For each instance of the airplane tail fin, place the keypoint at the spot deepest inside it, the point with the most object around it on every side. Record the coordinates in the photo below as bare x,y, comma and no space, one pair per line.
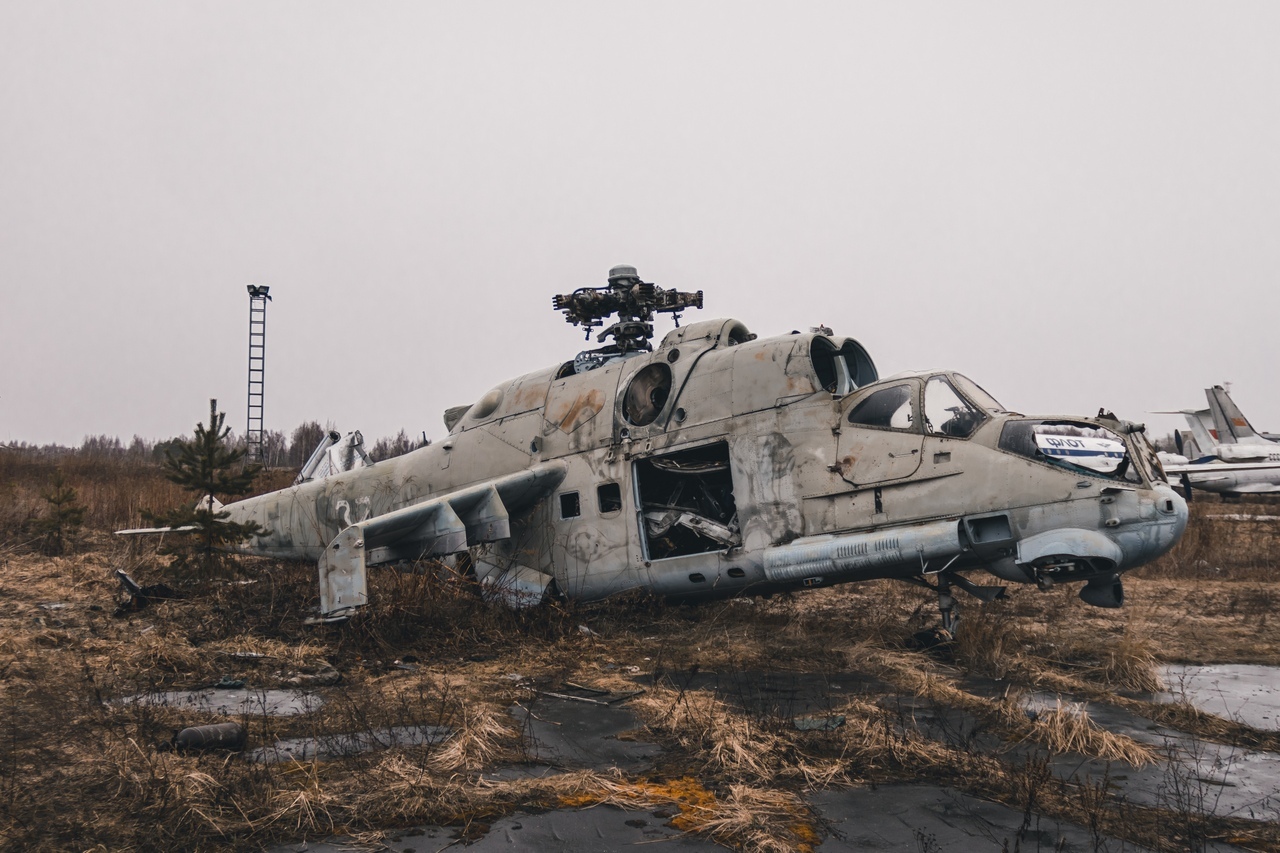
1229,419
1201,438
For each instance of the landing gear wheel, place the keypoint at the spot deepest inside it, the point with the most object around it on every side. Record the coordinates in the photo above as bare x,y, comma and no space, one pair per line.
932,638
947,605
944,635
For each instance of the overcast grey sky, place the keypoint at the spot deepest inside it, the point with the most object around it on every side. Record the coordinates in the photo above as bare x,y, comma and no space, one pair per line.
1077,204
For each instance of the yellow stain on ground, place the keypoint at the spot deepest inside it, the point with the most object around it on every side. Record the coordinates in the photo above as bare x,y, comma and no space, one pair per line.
699,808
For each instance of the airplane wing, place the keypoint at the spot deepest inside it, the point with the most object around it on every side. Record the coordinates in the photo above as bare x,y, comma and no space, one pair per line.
442,525
1219,467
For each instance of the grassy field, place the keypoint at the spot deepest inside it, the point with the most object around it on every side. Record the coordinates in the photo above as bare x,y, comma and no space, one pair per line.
81,769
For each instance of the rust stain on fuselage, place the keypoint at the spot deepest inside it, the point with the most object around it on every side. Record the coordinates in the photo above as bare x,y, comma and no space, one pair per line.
583,408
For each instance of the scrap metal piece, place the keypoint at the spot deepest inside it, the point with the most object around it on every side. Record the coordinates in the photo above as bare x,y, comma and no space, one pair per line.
660,523
517,587
818,724
229,736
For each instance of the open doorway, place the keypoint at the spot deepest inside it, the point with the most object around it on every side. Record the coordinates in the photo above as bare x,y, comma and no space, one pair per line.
686,502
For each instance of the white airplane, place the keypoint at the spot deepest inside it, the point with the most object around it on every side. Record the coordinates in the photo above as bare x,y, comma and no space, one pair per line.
1237,439
1232,459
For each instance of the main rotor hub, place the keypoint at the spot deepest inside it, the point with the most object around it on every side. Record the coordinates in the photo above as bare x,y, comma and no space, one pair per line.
633,300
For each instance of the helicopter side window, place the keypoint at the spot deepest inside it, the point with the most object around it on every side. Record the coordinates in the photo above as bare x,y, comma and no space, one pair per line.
888,408
946,412
570,505
609,497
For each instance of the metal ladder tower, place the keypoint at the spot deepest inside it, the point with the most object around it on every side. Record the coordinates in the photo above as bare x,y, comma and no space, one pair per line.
258,299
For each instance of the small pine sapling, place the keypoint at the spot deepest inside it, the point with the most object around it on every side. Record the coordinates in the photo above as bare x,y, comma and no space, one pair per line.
59,528
210,468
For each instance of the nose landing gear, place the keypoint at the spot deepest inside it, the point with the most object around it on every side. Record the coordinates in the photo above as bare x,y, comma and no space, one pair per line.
949,608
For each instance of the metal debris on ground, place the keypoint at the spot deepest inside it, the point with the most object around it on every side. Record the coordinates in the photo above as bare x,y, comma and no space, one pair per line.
330,746
591,695
141,596
818,724
229,736
324,676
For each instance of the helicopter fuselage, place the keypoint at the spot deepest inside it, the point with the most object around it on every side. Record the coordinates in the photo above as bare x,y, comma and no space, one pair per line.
719,465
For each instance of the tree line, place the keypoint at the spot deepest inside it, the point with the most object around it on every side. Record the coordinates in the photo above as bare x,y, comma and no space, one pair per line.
278,450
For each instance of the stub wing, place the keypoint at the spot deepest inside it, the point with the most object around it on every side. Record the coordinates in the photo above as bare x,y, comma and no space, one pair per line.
142,531
208,502
442,525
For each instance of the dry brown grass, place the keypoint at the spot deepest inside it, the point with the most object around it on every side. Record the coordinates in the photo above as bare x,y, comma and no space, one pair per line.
743,817
1061,730
482,738
1067,729
1216,545
754,819
74,763
114,491
732,743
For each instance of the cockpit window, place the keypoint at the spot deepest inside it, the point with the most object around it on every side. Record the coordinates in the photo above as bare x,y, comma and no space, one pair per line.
977,394
948,413
1085,448
888,408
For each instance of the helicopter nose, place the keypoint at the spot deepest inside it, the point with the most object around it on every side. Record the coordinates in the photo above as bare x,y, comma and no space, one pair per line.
1170,503
1162,528
1175,505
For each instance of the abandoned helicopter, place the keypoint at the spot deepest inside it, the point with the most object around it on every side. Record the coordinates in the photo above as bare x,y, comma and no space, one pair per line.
719,464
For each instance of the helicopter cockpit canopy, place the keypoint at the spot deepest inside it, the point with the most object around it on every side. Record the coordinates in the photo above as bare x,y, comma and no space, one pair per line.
952,405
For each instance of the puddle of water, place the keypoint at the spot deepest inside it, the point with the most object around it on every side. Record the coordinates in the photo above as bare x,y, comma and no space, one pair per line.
232,703
521,772
564,733
1244,693
1039,702
1190,774
603,828
342,745
931,817
784,695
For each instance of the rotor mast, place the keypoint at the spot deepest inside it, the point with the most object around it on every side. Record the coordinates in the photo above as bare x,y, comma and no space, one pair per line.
633,300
